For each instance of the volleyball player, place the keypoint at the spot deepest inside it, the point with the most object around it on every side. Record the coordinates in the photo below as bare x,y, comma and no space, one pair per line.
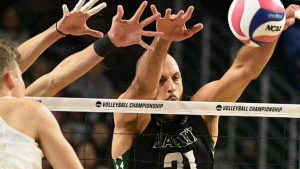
179,141
28,129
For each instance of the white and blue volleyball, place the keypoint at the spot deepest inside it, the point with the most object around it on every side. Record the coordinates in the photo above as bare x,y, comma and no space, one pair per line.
256,22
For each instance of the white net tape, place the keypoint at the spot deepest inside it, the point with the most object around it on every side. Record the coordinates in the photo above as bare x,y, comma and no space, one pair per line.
170,107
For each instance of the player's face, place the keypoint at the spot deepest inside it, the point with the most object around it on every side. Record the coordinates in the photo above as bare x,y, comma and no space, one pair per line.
170,84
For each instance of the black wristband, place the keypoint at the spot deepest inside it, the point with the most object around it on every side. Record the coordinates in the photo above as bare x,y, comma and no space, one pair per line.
59,30
104,46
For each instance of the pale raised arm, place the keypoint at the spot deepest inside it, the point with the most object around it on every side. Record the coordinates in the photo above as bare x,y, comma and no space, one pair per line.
65,73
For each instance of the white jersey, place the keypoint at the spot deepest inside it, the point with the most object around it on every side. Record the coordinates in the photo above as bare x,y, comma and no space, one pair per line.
17,150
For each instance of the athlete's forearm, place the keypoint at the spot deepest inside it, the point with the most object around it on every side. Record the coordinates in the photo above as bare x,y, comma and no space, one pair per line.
69,70
254,59
34,47
76,66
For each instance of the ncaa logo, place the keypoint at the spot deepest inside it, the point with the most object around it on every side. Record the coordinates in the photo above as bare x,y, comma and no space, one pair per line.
98,104
273,28
219,107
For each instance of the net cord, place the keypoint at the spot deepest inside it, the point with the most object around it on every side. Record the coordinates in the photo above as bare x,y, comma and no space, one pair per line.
170,107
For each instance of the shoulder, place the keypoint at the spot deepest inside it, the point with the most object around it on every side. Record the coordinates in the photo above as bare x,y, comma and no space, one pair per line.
38,114
26,106
26,116
20,103
29,104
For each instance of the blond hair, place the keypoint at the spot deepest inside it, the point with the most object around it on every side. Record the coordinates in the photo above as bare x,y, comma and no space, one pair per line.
9,57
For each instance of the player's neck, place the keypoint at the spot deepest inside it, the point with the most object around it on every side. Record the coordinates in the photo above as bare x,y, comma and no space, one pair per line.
5,93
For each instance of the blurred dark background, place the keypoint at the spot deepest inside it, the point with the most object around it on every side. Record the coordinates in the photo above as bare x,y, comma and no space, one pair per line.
243,142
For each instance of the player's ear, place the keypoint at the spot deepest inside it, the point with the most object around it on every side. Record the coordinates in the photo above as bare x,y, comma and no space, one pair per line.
9,80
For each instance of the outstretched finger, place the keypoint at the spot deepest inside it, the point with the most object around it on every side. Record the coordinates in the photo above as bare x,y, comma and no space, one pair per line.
120,13
196,28
152,33
179,15
140,11
188,13
78,5
94,33
88,5
146,46
96,9
153,9
149,20
168,14
65,10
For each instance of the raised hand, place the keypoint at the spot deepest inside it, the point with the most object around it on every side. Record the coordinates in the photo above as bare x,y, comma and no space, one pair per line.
128,32
173,26
291,12
74,22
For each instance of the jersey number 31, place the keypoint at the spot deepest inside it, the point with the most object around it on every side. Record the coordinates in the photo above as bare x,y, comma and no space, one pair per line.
178,157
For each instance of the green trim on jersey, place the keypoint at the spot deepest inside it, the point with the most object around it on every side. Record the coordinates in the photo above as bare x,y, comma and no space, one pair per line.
122,161
212,147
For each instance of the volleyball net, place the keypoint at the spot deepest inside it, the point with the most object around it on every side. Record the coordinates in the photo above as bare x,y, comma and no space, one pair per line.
251,135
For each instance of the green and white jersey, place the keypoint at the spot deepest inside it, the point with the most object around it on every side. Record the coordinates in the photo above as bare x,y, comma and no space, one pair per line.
183,143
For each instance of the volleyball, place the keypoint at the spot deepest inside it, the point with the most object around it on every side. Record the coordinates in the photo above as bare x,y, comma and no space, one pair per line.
256,22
